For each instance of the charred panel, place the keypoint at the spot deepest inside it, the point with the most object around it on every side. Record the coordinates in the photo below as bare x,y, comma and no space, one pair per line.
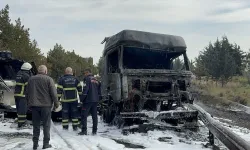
158,87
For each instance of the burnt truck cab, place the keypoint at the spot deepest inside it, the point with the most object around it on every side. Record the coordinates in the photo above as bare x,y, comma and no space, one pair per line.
139,77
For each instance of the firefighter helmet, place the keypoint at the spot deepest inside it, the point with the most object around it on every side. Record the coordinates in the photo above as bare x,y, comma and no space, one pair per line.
26,66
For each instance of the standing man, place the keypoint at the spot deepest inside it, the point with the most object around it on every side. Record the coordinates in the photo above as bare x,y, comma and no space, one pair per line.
68,86
22,78
90,100
41,95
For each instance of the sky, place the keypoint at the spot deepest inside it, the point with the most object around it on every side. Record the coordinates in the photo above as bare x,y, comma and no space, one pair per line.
83,24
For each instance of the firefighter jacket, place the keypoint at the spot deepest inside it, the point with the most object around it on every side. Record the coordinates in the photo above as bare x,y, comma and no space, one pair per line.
22,78
67,87
92,91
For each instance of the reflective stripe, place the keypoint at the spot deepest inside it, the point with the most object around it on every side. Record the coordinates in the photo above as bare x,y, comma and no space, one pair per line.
59,95
68,89
75,123
65,121
79,84
59,86
20,95
21,121
69,100
80,93
75,120
21,116
18,83
65,124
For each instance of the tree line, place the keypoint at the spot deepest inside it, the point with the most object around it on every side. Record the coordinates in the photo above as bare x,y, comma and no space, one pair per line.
16,38
221,61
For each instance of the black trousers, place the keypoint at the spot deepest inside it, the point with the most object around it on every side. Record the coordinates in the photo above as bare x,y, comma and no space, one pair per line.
21,106
69,110
41,114
92,109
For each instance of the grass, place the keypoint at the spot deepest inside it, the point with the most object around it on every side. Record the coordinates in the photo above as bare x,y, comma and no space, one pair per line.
237,90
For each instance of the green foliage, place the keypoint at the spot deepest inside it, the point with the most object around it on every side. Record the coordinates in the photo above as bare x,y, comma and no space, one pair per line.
15,37
178,64
236,90
59,59
220,60
100,66
199,69
191,65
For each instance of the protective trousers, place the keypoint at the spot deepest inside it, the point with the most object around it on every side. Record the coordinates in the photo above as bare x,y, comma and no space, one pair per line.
21,106
92,109
69,110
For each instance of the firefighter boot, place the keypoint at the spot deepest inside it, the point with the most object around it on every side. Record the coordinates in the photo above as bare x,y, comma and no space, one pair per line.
93,132
75,128
35,145
65,127
82,133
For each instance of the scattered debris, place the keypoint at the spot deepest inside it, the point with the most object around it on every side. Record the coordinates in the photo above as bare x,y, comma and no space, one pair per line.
166,139
129,145
10,135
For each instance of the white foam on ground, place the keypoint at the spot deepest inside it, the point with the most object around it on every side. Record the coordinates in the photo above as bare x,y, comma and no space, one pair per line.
242,132
103,140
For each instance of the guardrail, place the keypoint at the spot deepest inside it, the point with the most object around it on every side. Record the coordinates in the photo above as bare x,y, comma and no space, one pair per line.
231,140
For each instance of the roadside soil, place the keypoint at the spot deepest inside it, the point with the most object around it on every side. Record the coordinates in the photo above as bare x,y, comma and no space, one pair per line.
221,109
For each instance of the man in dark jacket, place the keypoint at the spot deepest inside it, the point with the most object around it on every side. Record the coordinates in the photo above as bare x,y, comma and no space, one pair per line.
41,95
90,98
22,78
67,88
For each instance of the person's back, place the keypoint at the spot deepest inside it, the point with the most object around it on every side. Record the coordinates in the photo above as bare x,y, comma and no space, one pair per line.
90,98
93,89
67,88
41,91
22,78
41,94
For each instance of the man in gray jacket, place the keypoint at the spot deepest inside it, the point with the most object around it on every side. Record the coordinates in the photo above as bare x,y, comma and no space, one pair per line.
41,95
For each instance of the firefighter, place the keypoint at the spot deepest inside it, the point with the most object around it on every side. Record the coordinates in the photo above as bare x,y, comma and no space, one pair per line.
90,98
22,78
67,88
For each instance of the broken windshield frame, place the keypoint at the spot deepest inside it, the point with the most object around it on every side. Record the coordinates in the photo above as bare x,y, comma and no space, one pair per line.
141,58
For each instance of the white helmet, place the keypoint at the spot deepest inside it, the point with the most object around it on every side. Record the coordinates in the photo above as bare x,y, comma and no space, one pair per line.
26,66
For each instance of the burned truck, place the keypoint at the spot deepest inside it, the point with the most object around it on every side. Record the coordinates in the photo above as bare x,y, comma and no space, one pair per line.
140,83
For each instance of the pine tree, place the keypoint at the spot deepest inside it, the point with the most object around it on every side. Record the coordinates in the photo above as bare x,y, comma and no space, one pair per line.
220,60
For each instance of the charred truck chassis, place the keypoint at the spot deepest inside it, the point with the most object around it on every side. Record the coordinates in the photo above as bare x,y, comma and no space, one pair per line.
138,92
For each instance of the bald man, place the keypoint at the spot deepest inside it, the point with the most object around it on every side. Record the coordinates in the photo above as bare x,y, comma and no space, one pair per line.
67,89
41,96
